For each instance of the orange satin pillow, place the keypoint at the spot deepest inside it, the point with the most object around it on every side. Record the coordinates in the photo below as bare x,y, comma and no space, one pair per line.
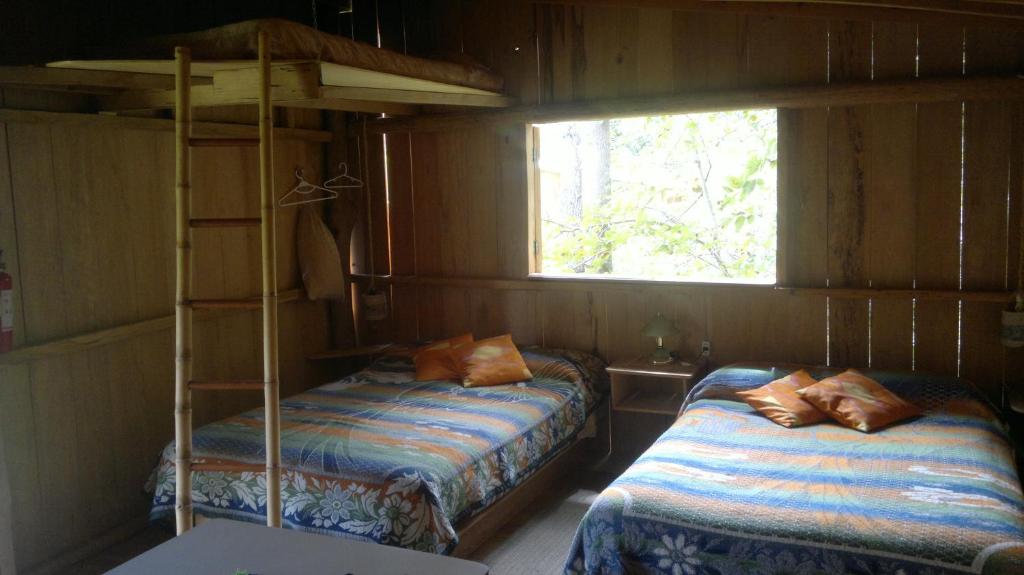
434,361
779,402
857,401
492,361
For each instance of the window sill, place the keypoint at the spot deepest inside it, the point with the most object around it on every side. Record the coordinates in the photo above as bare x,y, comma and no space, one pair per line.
640,282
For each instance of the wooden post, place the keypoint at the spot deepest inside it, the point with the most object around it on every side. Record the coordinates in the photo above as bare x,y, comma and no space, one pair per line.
268,242
183,291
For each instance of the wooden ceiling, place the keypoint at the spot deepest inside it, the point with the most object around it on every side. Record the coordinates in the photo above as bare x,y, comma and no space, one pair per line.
999,12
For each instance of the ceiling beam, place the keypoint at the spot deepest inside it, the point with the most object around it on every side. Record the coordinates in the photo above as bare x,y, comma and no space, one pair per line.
951,89
417,97
85,81
200,128
349,105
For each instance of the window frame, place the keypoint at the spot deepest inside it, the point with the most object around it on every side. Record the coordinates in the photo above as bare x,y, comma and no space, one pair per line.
535,235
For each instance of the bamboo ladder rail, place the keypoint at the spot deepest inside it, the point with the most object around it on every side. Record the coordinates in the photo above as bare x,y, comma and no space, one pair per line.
185,304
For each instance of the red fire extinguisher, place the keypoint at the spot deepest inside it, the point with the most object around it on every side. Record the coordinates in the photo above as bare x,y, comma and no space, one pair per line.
6,307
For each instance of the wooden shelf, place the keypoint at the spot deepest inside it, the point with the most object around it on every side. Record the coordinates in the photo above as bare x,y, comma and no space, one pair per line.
366,350
657,402
639,386
675,369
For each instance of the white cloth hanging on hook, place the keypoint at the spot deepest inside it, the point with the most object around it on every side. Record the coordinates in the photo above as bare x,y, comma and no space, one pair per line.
319,258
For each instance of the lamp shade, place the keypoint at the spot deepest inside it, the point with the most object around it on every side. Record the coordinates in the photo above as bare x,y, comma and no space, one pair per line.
660,326
1013,328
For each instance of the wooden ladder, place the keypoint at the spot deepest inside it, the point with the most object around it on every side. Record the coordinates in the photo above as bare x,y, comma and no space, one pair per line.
185,303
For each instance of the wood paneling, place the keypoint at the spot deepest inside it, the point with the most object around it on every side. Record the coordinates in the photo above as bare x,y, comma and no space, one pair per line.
401,209
378,256
708,50
988,134
8,236
427,202
511,213
803,181
6,528
850,59
869,195
86,222
937,250
890,182
999,14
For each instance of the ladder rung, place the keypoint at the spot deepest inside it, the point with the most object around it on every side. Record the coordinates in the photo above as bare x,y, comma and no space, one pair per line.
223,142
229,467
224,222
227,384
247,303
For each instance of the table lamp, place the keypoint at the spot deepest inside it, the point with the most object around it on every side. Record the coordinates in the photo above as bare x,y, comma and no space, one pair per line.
1013,323
660,327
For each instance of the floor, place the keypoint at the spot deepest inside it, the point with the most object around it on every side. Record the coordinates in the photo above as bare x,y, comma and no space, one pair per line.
535,542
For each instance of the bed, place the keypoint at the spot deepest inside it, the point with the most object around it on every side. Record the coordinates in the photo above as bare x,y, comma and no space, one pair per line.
310,69
380,457
295,41
727,491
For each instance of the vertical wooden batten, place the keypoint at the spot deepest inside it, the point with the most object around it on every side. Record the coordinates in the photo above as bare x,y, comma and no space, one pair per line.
988,133
6,527
890,185
848,320
937,212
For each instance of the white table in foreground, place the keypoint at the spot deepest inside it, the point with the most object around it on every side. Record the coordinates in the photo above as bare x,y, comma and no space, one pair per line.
222,547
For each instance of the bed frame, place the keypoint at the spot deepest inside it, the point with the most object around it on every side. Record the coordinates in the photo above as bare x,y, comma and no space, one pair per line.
476,530
295,84
136,85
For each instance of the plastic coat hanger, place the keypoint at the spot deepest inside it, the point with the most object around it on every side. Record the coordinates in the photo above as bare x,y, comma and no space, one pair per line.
343,180
302,192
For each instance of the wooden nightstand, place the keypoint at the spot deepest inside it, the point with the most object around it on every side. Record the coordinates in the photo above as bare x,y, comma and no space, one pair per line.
642,387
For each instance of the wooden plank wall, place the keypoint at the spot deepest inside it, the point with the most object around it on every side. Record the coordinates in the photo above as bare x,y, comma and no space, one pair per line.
87,228
870,195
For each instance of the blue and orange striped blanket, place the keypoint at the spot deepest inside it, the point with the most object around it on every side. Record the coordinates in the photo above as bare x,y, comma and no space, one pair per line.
380,457
726,491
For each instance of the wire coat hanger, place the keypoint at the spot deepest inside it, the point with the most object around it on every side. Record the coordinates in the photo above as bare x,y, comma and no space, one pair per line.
303,190
343,180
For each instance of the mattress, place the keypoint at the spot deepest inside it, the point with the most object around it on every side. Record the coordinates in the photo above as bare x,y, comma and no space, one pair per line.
725,491
294,41
380,457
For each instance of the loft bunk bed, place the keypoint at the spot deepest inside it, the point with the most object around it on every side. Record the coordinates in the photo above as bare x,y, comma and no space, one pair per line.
275,63
310,69
268,63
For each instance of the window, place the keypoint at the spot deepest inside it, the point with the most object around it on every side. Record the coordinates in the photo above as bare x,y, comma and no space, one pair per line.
685,197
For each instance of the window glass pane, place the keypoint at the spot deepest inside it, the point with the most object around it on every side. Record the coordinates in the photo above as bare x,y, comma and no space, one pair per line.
685,197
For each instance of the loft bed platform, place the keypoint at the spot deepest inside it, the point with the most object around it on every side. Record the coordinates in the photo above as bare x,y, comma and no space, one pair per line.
297,84
311,69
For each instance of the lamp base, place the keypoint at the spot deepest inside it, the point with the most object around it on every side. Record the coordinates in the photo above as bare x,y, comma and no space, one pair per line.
661,356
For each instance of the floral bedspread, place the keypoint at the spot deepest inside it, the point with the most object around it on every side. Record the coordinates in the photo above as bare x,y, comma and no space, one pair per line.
380,457
726,491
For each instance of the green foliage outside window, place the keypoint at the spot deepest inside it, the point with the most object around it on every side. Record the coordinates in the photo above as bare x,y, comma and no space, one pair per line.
684,197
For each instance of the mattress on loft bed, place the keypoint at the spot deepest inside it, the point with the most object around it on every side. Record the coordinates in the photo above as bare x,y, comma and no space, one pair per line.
294,41
380,457
726,491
